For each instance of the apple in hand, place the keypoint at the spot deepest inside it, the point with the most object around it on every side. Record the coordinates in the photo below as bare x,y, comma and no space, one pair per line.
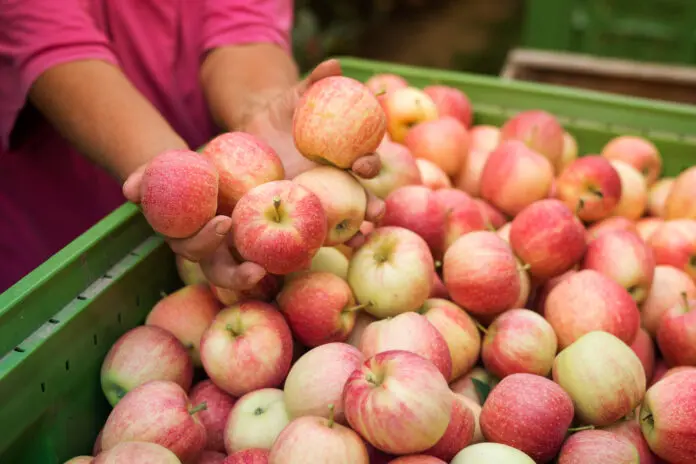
214,417
431,175
451,102
640,153
634,192
528,412
469,177
610,224
669,285
657,196
459,433
674,244
602,375
248,456
462,215
256,420
398,169
265,289
143,354
644,348
598,447
487,453
679,203
405,108
444,141
132,452
248,346
399,402
676,335
539,130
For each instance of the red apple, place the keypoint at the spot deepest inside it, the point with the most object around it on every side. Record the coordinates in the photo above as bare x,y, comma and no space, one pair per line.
459,433
157,412
431,175
644,348
515,177
384,83
243,162
392,272
674,244
587,301
630,428
657,196
610,224
362,320
570,152
591,187
189,272
398,169
679,203
212,457
219,404
409,332
143,354
451,102
544,289
337,121
439,290
256,420
443,141
186,314
484,137
634,192
661,369
465,385
248,346
476,410
668,286
494,219
265,289
469,177
405,108
132,452
399,402
676,335
598,447
417,459
462,215
548,237
647,226
640,153
248,456
539,130
504,232
317,379
528,412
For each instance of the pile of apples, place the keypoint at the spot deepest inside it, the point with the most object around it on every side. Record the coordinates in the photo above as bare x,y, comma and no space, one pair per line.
515,304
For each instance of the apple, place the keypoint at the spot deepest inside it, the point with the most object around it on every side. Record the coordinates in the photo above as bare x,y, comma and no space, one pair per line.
384,83
337,121
679,203
504,232
484,137
645,227
157,412
179,193
674,244
186,314
668,417
214,417
494,219
465,385
675,370
444,141
542,292
409,332
213,457
459,433
539,130
625,258
265,289
519,341
640,153
248,346
405,108
317,379
588,301
591,187
669,284
392,272
398,169
89,459
548,237
476,410
417,459
634,192
676,334
362,320
630,428
256,420
514,177
528,412
431,175
657,196
439,290
330,259
462,215
469,177
487,453
482,274
602,375
189,272
248,456
415,207
459,332
598,447
451,102
611,224
143,354
570,151
279,225
318,439
661,369
243,162
644,348
132,452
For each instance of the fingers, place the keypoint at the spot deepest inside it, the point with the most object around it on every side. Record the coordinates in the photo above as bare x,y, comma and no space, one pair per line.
375,208
222,270
368,166
205,242
131,187
356,241
324,69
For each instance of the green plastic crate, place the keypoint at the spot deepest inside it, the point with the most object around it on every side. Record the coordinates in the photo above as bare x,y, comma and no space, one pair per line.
57,324
661,31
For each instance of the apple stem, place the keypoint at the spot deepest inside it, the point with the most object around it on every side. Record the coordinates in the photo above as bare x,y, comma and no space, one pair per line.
685,299
381,92
331,415
201,407
481,327
276,205
525,267
581,205
580,429
489,226
596,192
356,308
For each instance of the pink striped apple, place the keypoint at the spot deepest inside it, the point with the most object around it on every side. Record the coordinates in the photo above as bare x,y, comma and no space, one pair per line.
598,447
638,152
591,187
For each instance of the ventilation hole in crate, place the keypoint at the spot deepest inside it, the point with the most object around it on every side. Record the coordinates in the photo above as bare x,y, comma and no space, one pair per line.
19,350
67,365
81,298
53,321
43,387
94,339
133,254
108,276
118,318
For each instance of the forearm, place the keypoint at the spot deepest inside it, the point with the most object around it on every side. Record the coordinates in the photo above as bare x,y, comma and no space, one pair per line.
94,106
239,79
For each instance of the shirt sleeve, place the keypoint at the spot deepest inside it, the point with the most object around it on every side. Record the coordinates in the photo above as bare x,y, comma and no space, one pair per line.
36,35
236,22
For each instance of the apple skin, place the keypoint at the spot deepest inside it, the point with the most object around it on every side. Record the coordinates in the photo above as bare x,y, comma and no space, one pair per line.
640,153
539,130
405,108
625,258
431,175
156,412
338,120
674,244
465,386
515,177
469,177
189,272
494,219
661,369
439,290
519,341
676,335
602,375
645,227
143,354
634,192
657,196
459,433
570,152
451,102
444,141
530,413
362,320
598,447
462,215
410,332
317,380
186,314
679,203
248,456
248,346
487,453
484,137
132,452
392,272
256,420
212,457
459,332
417,459
89,459
318,439
542,292
668,417
587,301
401,389
591,187
548,237
398,169
630,428
610,224
668,285
214,417
482,274
319,308
384,83
281,239
644,348
242,162
265,289
476,410
330,259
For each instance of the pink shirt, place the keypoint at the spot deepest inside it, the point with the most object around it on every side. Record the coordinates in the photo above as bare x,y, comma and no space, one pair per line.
49,194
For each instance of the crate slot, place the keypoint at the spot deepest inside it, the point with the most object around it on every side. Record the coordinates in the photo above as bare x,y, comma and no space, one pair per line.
95,340
67,365
19,350
81,297
108,276
43,387
54,321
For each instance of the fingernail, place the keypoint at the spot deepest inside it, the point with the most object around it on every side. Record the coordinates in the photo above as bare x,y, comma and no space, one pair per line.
223,226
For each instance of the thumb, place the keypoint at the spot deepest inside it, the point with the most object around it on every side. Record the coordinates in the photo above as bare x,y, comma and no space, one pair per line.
131,187
323,70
